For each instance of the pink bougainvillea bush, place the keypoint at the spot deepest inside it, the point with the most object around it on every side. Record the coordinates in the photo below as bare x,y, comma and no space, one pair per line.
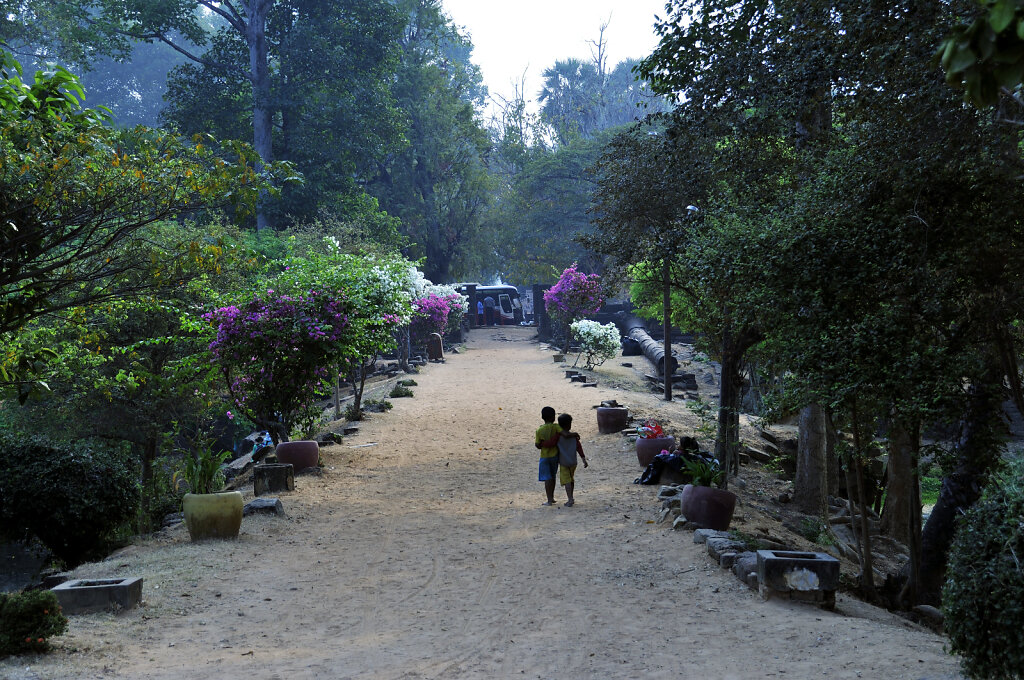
275,352
574,296
435,313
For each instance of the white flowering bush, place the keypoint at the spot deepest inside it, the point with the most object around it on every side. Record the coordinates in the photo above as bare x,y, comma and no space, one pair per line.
598,342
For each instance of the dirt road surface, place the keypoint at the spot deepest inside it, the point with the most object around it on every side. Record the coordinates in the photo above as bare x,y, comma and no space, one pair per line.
424,552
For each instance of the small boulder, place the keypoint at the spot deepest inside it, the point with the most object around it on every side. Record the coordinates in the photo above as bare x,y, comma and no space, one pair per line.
266,506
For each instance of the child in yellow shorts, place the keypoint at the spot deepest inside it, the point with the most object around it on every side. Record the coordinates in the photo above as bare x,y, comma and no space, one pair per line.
569,447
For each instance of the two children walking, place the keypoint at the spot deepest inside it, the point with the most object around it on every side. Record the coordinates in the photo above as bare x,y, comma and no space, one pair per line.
559,449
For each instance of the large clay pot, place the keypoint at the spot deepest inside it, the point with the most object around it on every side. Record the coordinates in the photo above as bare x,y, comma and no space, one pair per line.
213,515
612,419
647,449
707,507
301,454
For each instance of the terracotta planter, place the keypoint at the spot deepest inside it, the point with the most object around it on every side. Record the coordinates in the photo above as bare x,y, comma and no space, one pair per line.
213,515
647,449
708,507
612,419
300,454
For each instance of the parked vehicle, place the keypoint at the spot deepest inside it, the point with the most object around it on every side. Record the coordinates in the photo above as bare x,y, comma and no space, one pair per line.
508,307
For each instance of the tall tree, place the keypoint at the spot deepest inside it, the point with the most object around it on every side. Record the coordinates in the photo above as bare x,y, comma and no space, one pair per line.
327,98
438,185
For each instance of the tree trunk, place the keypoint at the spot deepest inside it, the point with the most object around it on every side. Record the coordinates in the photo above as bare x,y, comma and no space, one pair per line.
259,72
975,453
867,570
733,349
149,450
810,489
835,466
337,392
899,498
666,283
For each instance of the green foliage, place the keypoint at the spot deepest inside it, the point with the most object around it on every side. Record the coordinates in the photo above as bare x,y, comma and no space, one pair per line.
400,391
986,56
202,466
983,598
80,196
328,93
816,530
28,621
73,497
931,484
704,474
438,185
705,411
379,405
409,382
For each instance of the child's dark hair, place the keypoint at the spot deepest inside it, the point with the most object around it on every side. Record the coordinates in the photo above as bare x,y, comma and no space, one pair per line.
565,421
547,414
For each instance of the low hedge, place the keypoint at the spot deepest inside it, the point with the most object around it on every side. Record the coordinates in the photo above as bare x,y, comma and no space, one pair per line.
28,621
73,496
983,597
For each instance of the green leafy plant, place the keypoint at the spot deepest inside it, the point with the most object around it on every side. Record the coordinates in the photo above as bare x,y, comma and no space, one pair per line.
72,496
408,383
704,474
201,466
984,590
28,621
400,391
379,405
705,411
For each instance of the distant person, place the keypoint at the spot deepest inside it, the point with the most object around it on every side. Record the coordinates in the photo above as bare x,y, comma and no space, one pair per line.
480,312
569,447
546,440
489,310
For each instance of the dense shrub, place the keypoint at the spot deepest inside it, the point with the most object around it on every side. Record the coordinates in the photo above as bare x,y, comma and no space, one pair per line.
71,496
28,621
983,598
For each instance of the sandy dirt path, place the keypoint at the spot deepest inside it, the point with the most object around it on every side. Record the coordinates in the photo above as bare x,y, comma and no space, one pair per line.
428,555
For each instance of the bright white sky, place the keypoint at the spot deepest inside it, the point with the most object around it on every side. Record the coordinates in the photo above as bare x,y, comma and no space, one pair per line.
510,38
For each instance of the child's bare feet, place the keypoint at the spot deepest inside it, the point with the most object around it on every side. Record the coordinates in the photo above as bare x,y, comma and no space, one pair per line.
548,503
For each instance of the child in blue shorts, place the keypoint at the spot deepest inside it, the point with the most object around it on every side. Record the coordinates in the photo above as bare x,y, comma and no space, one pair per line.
546,440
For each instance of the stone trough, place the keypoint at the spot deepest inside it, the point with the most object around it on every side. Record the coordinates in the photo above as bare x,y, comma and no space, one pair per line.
86,596
807,576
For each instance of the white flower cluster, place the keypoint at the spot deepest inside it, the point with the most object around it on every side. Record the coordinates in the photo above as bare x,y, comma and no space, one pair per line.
599,342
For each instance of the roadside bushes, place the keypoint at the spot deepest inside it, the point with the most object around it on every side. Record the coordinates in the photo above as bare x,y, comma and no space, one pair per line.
983,598
73,497
28,621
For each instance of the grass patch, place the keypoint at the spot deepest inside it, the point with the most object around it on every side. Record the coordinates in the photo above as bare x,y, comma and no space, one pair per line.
400,391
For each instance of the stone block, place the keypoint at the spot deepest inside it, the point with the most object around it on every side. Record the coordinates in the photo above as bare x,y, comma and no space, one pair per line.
273,477
702,535
578,378
86,596
718,546
668,492
745,563
727,559
786,571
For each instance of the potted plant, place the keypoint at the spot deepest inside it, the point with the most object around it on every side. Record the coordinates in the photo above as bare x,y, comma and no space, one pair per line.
651,440
209,511
701,502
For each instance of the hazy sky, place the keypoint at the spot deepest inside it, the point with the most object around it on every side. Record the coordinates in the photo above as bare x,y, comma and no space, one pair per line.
510,38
